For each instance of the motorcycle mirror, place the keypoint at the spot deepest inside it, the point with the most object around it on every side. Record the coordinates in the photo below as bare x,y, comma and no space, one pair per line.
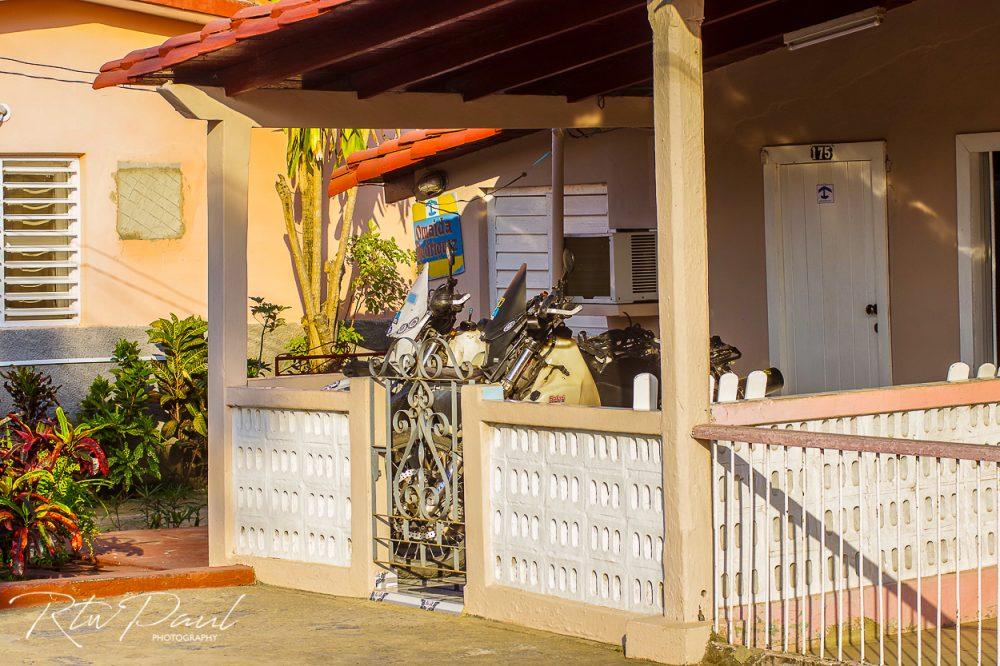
450,253
568,262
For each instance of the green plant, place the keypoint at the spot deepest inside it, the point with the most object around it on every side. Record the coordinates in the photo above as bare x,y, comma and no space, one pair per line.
318,275
31,392
182,387
121,415
47,477
165,506
377,285
268,315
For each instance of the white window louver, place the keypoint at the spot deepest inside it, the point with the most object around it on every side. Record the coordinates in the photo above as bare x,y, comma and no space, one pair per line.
40,234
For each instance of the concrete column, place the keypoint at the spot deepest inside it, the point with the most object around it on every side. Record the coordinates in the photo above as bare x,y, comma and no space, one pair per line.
228,173
557,232
678,107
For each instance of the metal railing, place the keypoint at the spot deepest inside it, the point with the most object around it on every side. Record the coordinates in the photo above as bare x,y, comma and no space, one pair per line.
854,548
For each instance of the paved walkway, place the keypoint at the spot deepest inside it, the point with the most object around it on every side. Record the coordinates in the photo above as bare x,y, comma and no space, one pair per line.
272,626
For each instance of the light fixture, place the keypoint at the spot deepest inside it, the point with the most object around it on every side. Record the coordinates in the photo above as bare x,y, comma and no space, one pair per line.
4,113
431,184
838,27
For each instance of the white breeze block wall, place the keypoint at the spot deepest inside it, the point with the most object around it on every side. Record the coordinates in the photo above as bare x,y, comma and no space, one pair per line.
292,485
872,510
578,515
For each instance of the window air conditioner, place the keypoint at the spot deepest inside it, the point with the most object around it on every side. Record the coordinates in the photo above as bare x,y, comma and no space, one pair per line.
617,267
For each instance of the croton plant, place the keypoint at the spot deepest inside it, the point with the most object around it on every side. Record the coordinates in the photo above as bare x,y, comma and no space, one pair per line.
46,470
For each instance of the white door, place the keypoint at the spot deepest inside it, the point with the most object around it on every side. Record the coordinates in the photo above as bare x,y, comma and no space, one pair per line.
520,218
827,265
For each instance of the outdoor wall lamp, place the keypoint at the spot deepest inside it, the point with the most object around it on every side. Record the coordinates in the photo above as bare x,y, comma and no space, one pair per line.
838,27
431,184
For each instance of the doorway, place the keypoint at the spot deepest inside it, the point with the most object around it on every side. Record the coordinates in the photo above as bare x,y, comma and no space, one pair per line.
827,265
978,169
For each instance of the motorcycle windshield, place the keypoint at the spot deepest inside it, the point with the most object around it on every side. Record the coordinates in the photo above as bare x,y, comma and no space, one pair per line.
509,311
407,320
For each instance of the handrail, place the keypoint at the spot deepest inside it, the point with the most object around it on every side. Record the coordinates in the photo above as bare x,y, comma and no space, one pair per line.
836,442
860,402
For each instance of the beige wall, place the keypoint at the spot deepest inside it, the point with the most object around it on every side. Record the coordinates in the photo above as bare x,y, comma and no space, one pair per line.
927,74
133,282
122,282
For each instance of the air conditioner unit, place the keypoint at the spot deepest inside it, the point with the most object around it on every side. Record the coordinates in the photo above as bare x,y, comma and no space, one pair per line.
617,267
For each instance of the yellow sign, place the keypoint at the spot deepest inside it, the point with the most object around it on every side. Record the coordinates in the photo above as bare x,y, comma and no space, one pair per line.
436,225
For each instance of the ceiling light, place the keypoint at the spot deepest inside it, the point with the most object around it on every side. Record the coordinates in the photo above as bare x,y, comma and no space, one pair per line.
431,184
838,27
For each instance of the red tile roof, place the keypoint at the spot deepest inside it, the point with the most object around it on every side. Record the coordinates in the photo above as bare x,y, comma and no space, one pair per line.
405,154
247,22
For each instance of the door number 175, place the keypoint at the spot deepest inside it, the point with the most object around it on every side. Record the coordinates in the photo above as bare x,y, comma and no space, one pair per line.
821,153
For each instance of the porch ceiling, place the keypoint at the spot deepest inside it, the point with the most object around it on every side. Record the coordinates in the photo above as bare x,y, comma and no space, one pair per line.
571,48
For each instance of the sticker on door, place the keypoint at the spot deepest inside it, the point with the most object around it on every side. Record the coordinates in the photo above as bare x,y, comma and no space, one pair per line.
825,193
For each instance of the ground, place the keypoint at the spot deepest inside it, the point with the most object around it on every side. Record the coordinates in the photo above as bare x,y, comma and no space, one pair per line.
273,626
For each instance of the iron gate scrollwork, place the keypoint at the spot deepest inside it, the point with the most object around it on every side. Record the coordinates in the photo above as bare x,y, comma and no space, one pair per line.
423,528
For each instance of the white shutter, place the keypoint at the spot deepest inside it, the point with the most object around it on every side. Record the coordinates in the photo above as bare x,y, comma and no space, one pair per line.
520,218
40,234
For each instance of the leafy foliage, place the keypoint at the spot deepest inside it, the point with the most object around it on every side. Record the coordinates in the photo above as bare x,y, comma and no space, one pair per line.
170,506
268,315
47,475
121,415
377,284
31,392
182,388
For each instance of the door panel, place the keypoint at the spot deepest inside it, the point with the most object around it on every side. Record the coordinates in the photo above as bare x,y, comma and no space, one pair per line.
831,266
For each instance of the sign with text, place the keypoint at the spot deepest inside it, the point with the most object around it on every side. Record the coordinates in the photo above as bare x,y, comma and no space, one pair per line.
436,225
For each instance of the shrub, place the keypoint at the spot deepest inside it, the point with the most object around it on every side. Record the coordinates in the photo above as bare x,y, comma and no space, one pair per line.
268,315
47,477
182,389
121,415
31,392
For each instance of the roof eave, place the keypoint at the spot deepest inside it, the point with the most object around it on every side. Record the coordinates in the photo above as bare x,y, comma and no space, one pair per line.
199,12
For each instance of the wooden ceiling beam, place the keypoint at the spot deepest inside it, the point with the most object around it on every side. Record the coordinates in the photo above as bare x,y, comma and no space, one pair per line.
629,32
324,48
468,50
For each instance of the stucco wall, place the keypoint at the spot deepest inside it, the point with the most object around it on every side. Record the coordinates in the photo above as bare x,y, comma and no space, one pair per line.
122,282
128,283
623,159
927,74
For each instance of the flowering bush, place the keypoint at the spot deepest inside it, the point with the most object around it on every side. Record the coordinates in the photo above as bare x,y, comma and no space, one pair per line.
47,476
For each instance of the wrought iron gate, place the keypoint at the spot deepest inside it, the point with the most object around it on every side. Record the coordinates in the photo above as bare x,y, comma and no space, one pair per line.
422,530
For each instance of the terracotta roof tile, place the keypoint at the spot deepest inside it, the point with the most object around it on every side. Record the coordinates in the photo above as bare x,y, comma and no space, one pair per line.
405,152
245,23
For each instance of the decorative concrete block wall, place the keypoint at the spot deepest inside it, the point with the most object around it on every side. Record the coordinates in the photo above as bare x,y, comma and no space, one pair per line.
874,509
578,515
292,485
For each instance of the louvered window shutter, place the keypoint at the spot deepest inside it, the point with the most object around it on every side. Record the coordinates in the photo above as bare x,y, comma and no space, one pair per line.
41,240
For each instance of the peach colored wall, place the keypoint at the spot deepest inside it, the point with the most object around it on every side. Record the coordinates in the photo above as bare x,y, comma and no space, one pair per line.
122,282
927,74
270,272
134,282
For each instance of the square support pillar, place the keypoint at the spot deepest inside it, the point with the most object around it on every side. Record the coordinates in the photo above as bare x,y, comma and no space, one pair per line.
228,175
681,635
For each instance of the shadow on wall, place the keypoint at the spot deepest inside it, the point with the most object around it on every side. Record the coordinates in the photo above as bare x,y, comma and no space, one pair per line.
128,277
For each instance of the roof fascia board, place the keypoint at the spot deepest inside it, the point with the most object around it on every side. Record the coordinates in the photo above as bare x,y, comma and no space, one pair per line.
158,10
279,108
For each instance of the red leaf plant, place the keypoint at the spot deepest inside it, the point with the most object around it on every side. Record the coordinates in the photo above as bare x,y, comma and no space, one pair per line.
35,463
